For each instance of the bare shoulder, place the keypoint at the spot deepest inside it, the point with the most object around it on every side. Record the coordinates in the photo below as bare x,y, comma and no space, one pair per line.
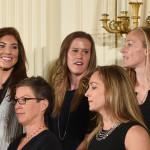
137,138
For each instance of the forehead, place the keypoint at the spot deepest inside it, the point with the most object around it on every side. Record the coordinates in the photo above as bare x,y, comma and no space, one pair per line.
8,37
24,90
95,78
135,35
79,41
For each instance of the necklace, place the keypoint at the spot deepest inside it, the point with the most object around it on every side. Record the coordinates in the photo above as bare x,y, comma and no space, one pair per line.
144,98
32,135
101,135
62,138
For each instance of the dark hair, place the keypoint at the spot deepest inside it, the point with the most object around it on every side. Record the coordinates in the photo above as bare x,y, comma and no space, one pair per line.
40,87
19,70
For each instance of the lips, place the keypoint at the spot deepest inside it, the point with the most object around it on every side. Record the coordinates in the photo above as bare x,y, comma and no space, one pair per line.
19,113
78,63
6,58
125,57
89,101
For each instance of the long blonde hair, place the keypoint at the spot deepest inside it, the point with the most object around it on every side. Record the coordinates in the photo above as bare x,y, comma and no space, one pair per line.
121,102
61,76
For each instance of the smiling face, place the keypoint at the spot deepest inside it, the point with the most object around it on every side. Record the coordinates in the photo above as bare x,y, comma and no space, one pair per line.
8,52
32,111
134,53
96,93
78,56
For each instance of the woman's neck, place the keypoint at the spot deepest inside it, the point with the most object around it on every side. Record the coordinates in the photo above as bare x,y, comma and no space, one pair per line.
108,121
141,77
33,130
74,82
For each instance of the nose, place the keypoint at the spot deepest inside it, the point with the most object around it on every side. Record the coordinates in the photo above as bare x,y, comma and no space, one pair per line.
87,93
17,105
79,55
123,50
7,50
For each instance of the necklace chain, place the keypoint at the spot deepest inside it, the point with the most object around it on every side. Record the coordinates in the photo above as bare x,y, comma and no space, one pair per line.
101,135
145,95
32,135
62,138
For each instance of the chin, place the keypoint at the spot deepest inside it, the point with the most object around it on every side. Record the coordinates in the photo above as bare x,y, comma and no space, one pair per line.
91,109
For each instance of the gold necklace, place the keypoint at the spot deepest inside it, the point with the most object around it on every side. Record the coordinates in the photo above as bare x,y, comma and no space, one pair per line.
62,138
101,135
32,135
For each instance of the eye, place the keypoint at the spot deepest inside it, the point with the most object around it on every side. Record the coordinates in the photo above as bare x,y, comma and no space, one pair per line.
14,47
93,88
2,46
75,50
85,51
15,100
129,45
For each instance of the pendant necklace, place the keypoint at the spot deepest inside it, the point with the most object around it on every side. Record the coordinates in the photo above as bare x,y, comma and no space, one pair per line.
63,137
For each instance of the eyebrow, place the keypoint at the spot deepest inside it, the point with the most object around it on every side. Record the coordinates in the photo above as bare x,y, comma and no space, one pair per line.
79,48
93,82
11,44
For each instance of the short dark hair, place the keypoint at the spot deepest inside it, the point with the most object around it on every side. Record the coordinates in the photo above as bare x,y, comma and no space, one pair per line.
40,87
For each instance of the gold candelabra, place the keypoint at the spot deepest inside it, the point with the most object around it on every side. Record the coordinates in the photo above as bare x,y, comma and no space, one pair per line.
121,23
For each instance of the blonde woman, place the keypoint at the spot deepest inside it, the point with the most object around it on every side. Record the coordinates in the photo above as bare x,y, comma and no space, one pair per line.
136,58
120,125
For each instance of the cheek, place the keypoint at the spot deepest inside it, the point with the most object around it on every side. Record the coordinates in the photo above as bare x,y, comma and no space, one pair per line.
87,59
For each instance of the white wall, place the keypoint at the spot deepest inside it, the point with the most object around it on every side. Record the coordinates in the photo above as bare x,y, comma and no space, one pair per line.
43,24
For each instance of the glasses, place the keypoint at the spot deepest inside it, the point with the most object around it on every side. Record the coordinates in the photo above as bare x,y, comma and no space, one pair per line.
22,100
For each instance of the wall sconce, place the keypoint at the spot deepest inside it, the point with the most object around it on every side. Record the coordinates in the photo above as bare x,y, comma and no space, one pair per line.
121,23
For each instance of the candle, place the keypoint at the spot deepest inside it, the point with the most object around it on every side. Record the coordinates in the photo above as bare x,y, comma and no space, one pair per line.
123,5
105,6
118,8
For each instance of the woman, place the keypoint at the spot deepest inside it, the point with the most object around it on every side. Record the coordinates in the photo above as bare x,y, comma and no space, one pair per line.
33,97
12,70
120,125
70,112
136,57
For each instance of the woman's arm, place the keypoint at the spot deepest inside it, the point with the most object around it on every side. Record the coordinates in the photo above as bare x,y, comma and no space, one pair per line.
137,138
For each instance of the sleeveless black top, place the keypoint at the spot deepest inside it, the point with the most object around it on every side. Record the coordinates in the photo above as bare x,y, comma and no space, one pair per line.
78,122
115,141
145,109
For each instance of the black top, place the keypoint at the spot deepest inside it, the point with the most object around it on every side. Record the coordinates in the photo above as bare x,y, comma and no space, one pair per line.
145,109
45,140
3,89
77,123
115,141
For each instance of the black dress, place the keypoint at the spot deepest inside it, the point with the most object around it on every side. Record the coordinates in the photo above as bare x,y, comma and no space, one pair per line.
115,141
45,140
145,109
77,121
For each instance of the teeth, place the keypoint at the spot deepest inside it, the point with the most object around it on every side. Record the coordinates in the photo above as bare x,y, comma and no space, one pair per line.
78,63
6,58
125,57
